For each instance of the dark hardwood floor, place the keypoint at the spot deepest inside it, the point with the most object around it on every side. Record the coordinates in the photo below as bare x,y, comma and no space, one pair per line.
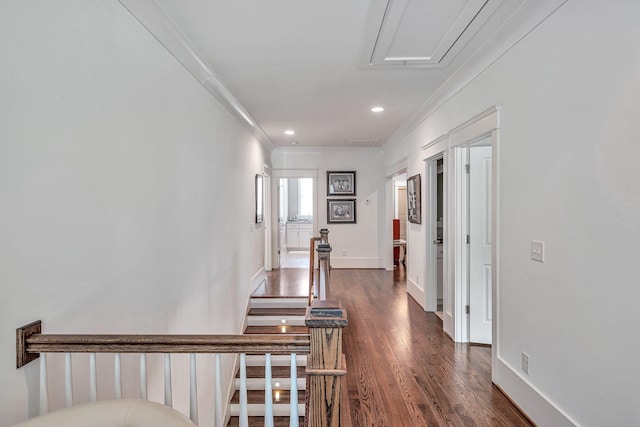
402,369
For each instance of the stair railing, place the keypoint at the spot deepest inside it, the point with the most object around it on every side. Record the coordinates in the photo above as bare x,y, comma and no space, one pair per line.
316,282
325,364
32,344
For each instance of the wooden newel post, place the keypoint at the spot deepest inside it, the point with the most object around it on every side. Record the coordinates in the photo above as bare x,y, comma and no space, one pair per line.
326,365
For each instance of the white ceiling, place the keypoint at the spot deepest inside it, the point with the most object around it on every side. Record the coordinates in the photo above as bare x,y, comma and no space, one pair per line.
319,66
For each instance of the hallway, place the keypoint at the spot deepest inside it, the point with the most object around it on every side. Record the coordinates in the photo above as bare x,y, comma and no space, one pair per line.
402,369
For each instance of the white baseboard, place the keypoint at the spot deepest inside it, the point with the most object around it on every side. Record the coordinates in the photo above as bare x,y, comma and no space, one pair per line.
530,400
257,280
356,262
417,293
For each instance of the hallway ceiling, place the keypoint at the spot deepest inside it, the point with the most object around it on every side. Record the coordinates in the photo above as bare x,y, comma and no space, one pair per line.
318,67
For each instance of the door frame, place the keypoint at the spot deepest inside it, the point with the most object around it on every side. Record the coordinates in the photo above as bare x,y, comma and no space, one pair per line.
431,252
482,126
268,247
397,168
276,174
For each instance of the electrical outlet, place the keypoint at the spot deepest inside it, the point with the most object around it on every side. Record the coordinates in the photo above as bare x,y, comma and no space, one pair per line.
537,250
344,252
525,363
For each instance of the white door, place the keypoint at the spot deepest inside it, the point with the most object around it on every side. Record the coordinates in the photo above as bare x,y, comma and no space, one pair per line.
480,245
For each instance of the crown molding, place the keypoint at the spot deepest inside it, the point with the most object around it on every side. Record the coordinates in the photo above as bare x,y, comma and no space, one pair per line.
160,25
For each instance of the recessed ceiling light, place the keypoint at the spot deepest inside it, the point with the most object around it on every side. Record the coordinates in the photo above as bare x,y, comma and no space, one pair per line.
289,132
377,109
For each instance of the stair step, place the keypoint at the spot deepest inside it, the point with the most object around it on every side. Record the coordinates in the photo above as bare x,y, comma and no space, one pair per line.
277,330
257,396
276,383
279,302
276,360
257,409
259,421
275,320
275,311
276,372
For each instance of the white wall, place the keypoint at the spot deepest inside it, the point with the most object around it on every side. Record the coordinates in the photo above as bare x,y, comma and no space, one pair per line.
357,245
568,175
126,190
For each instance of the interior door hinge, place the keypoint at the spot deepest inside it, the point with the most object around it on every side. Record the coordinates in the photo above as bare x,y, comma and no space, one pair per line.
467,309
467,168
467,239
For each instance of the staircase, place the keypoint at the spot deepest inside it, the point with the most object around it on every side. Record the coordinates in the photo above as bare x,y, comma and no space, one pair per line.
272,315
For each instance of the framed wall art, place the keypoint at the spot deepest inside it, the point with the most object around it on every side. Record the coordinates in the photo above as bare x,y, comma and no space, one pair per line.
259,199
341,211
341,183
414,208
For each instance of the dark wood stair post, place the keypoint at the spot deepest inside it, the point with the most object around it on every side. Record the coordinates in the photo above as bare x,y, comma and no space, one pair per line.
326,364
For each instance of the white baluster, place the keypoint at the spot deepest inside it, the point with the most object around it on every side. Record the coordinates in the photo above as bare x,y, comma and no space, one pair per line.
218,401
293,412
244,415
93,378
193,391
68,382
117,372
168,401
268,392
143,376
44,385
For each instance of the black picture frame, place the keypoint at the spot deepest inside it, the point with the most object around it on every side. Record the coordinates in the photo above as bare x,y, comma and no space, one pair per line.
341,183
259,199
414,202
341,211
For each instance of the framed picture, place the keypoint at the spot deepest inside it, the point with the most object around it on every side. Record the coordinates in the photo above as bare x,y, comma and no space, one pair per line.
341,211
341,183
259,199
414,208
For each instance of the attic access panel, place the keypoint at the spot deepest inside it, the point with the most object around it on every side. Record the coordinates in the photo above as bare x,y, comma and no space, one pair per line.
423,33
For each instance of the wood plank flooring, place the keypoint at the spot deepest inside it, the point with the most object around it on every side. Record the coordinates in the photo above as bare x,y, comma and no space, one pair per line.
402,369
285,282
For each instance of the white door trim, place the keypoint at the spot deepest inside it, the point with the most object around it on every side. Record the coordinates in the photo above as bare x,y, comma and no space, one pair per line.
480,126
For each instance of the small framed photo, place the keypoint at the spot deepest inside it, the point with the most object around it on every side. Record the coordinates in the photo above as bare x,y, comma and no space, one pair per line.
414,209
341,183
259,199
341,211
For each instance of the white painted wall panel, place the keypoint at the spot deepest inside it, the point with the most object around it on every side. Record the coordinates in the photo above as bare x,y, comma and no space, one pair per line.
126,193
568,176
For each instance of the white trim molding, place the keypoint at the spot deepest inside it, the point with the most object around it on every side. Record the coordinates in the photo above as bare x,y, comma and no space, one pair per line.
438,140
396,168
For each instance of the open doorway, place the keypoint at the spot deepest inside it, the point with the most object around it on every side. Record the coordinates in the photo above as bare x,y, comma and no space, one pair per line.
436,228
400,220
296,219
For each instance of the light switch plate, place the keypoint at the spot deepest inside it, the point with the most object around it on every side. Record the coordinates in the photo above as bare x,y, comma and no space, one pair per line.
537,250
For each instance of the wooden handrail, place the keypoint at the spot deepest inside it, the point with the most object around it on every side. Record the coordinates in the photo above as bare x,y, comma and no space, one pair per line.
249,344
36,343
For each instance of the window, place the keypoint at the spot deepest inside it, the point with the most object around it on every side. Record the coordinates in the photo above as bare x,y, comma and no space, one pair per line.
305,198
